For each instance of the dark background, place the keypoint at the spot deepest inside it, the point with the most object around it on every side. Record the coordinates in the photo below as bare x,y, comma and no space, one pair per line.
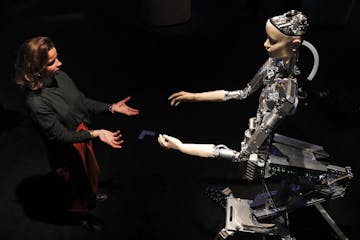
115,49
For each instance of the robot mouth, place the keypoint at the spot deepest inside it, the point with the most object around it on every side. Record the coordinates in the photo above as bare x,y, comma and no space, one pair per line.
269,52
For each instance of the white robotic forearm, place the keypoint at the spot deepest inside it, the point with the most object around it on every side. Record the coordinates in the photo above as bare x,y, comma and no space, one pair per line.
200,150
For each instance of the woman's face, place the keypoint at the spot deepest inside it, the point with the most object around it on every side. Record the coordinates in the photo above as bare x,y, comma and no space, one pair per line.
277,44
53,64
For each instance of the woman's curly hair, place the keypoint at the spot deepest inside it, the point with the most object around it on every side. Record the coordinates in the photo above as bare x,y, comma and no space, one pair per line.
31,62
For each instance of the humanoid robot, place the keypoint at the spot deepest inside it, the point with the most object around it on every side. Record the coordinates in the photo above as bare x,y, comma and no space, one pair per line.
264,153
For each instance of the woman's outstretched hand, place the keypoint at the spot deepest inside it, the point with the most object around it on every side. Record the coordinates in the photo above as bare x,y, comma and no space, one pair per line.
121,107
169,142
111,138
179,97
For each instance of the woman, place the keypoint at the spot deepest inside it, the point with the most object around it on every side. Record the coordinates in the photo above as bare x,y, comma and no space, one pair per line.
61,113
278,98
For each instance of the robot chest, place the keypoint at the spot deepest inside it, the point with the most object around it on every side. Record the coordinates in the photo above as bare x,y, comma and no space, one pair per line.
271,95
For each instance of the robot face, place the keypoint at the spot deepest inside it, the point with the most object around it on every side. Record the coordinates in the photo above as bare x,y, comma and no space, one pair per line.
279,45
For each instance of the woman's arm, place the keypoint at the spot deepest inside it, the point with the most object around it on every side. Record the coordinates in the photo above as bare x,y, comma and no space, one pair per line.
52,129
122,107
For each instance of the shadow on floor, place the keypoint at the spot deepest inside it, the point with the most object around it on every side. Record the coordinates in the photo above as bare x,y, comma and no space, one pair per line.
44,197
10,119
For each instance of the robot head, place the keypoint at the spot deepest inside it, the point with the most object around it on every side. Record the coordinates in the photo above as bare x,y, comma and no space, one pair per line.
291,23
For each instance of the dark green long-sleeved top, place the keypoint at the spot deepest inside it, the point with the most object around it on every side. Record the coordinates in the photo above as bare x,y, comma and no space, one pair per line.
59,107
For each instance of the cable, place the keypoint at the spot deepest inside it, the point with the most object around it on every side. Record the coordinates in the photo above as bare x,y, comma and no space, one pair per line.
316,59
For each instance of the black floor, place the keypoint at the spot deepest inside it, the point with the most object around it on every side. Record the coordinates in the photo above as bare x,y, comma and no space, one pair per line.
112,53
